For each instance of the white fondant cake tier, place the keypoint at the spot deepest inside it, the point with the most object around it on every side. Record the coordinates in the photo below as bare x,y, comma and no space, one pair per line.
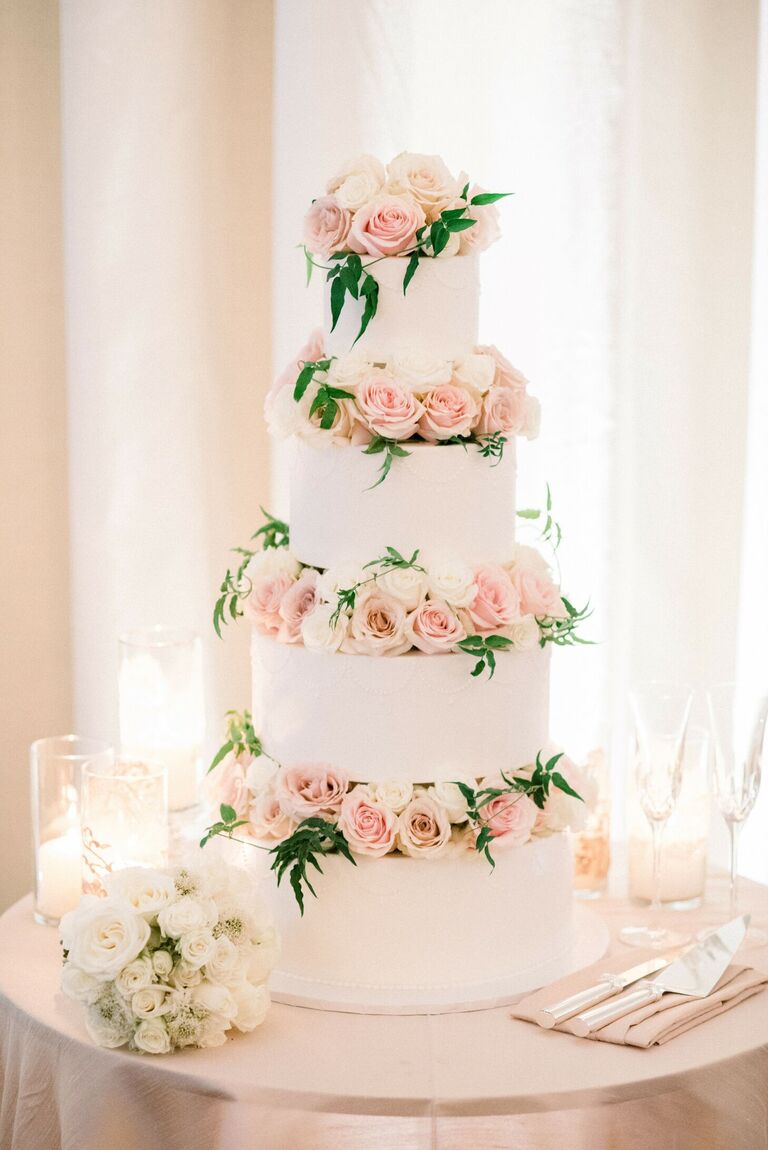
437,317
445,501
408,923
417,717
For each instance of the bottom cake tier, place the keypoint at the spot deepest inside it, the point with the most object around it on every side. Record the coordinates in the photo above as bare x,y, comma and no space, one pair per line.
403,923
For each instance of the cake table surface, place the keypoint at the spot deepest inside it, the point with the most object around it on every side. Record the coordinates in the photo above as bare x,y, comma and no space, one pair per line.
313,1079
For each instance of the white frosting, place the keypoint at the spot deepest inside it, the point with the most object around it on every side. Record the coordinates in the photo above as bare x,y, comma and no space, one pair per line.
405,922
445,501
438,316
416,717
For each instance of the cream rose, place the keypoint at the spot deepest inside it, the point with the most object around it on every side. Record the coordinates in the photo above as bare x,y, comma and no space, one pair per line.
183,976
187,914
326,226
426,179
298,602
449,410
135,976
386,226
434,628
357,182
420,371
503,410
273,561
450,798
320,631
79,986
261,774
405,584
496,603
251,1005
476,371
424,829
216,999
525,558
149,1002
525,634
306,789
348,371
225,962
103,936
147,890
451,580
393,793
162,963
562,811
505,374
369,829
197,947
151,1036
377,625
263,955
334,579
268,821
485,230
387,407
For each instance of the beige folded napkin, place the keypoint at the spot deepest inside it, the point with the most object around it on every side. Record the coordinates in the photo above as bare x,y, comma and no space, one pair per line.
657,1022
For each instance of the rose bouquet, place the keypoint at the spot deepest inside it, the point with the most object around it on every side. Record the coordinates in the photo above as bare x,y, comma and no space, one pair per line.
170,958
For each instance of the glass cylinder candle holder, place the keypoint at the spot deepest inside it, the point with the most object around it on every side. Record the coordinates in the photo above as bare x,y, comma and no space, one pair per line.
57,766
592,845
162,706
686,839
124,818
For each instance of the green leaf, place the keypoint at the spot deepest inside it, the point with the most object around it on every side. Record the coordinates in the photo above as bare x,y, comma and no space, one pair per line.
303,380
370,290
377,445
460,225
413,263
528,513
465,190
483,198
228,814
309,264
563,785
497,642
222,753
478,668
338,291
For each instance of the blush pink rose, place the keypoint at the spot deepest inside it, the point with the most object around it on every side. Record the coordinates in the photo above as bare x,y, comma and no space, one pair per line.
268,821
378,626
227,784
424,829
506,375
263,604
312,350
434,628
369,828
326,226
448,410
538,595
387,407
307,789
511,818
297,602
386,226
503,410
496,603
485,231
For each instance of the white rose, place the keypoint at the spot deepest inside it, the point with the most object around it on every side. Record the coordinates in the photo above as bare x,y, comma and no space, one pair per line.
526,558
108,1021
196,947
283,414
252,1004
187,914
273,561
263,955
420,371
395,794
103,936
450,798
425,178
524,633
225,962
152,1037
338,578
79,986
310,428
357,182
347,371
260,774
162,963
477,371
183,976
406,585
147,890
135,976
150,1002
216,999
531,417
451,580
562,811
316,631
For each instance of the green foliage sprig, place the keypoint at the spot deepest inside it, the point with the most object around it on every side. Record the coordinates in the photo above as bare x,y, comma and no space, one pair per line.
309,369
391,449
392,560
537,788
492,447
484,648
312,837
241,738
227,825
562,632
347,276
235,586
550,529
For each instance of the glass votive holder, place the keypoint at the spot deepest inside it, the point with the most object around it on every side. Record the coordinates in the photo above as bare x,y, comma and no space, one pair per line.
685,841
123,818
162,706
592,844
56,768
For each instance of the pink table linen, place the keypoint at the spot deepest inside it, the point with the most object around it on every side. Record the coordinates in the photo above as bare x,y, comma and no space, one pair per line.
307,1079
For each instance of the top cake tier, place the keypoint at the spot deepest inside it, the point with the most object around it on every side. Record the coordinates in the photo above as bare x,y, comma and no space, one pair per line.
437,316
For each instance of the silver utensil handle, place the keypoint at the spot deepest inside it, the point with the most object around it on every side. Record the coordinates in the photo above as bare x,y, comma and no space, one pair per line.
640,995
550,1016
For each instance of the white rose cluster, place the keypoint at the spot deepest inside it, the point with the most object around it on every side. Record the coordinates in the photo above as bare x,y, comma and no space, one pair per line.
170,958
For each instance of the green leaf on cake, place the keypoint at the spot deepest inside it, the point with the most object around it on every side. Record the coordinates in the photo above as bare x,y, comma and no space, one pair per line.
410,271
370,293
484,648
312,838
391,449
483,198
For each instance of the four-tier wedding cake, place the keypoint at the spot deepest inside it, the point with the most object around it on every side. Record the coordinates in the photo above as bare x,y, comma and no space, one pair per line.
397,759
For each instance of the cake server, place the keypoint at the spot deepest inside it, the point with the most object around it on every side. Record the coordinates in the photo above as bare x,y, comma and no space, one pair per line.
695,973
606,986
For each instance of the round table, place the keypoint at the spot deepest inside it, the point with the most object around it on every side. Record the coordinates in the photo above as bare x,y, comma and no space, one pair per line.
311,1079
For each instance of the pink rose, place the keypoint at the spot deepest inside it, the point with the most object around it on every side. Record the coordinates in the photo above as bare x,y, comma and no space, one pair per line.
424,829
537,594
369,829
307,789
496,603
263,604
387,407
434,628
448,410
386,226
377,626
503,410
312,350
511,817
485,231
326,226
268,821
227,784
297,602
506,375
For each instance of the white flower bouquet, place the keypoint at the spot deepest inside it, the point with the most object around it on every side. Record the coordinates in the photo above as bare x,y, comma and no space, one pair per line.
170,958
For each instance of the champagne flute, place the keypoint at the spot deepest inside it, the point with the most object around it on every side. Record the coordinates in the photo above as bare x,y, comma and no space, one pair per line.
660,718
738,717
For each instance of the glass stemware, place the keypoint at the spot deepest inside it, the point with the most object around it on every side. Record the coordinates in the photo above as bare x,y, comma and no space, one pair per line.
660,718
738,717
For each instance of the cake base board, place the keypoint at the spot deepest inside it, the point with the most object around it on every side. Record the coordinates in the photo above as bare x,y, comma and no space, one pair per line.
591,938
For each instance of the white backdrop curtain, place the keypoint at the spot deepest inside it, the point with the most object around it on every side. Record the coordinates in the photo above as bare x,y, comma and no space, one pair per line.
622,285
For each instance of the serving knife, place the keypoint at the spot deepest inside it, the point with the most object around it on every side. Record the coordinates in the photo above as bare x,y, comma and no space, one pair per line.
607,986
695,973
